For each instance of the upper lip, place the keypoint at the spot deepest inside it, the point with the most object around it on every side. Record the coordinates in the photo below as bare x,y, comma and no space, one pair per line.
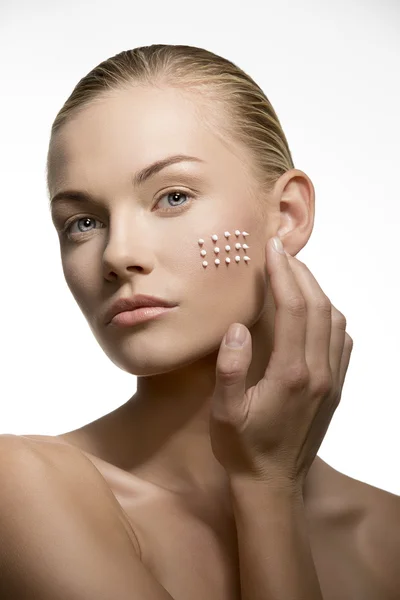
136,301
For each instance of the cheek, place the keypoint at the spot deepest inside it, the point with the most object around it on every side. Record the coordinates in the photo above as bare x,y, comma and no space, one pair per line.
82,278
225,255
227,267
229,291
221,253
224,250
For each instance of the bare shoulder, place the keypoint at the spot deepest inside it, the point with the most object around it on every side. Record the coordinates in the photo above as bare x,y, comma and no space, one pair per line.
60,529
378,539
15,452
32,463
27,458
11,441
43,462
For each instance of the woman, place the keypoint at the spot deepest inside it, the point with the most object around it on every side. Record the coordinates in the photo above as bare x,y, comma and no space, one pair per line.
169,175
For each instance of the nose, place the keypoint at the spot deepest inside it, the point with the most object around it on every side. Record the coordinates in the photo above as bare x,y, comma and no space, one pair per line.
121,260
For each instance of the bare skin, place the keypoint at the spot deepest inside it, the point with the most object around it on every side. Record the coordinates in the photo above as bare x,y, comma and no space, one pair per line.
186,538
154,452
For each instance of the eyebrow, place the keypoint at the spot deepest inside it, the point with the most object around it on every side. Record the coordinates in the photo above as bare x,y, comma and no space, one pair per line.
138,179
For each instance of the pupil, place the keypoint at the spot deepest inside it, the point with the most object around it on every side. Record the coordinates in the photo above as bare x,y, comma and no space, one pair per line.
86,221
176,196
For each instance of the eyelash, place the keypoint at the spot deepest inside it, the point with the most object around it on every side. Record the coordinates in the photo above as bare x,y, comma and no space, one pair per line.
68,225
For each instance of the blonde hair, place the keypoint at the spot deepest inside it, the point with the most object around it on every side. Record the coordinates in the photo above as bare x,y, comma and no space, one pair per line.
248,117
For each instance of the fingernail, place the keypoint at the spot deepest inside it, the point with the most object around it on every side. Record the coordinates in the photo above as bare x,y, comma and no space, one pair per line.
278,245
236,336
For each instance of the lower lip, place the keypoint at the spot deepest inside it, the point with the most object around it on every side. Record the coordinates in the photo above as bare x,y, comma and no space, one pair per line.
139,315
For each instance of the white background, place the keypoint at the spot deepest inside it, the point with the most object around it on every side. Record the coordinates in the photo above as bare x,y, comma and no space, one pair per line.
331,71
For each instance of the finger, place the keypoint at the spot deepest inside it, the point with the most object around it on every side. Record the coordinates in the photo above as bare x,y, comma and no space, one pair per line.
338,337
319,320
347,350
230,379
290,317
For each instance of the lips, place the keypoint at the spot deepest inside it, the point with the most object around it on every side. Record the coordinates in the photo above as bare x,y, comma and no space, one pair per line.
137,301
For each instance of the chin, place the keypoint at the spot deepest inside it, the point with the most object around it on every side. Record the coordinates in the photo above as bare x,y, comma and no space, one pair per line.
150,359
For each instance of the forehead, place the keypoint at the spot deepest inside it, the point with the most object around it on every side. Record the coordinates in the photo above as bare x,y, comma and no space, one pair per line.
130,128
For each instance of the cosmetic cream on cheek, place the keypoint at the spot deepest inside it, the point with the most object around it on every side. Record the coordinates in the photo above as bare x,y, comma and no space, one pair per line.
238,246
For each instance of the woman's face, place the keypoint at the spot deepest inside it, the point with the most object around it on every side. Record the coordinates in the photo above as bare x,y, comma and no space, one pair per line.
144,238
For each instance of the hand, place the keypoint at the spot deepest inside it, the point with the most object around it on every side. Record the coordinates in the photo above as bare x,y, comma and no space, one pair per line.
272,431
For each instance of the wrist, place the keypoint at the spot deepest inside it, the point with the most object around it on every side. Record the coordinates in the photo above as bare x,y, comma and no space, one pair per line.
279,488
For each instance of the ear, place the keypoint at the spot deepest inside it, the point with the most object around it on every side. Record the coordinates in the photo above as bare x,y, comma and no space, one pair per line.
293,210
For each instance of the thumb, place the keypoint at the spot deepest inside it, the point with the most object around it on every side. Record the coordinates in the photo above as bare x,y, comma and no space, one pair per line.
233,362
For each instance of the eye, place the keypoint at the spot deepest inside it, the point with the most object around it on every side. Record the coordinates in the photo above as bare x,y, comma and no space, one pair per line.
172,196
70,224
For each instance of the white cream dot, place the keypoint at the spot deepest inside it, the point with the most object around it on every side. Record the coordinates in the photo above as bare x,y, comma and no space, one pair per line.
237,232
227,234
205,263
246,258
227,248
201,242
217,261
245,233
203,252
237,258
227,260
216,249
238,246
245,246
214,237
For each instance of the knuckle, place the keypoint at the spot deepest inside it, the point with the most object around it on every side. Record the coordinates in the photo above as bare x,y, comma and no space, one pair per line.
324,306
296,306
322,384
348,341
229,379
230,373
338,318
337,399
297,375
